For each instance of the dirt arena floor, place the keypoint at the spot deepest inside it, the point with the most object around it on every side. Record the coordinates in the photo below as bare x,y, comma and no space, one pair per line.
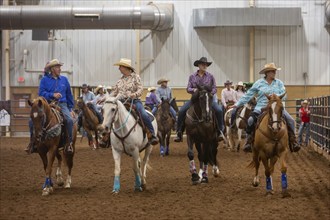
169,193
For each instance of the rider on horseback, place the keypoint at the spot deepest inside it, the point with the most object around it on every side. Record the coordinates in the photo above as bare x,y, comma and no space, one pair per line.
228,96
164,92
267,85
200,77
88,97
152,100
52,87
129,87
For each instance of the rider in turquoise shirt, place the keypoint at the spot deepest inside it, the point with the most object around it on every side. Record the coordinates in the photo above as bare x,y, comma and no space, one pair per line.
267,85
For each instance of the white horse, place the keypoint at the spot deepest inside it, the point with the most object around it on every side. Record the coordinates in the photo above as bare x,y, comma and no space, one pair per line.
234,135
127,137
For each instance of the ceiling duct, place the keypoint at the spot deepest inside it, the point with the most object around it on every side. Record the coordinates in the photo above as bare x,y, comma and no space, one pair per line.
153,16
327,13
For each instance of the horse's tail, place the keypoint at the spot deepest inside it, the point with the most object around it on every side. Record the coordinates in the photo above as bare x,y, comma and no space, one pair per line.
251,164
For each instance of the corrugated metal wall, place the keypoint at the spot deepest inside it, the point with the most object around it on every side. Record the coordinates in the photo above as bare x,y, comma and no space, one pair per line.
90,54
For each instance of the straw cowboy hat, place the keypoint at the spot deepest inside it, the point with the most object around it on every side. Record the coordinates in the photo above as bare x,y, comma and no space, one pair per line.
109,88
98,88
228,82
124,62
151,89
305,102
240,83
162,80
202,60
268,67
52,63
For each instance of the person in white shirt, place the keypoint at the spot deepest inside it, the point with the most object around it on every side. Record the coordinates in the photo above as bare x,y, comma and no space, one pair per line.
240,90
100,97
228,96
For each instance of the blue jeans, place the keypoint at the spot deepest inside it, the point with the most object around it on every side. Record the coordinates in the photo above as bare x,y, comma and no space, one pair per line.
68,120
139,107
183,110
304,126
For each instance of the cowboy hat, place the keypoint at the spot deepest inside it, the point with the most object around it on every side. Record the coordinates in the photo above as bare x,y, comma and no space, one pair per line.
84,86
109,88
268,67
162,80
151,89
240,83
202,60
305,102
228,82
124,62
54,62
98,88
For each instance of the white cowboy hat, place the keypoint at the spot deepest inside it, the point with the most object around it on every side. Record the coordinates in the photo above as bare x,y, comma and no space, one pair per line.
151,89
240,83
109,88
305,102
98,88
54,62
269,66
162,80
124,62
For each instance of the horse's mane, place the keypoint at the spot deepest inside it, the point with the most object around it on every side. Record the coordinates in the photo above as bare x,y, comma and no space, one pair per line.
195,95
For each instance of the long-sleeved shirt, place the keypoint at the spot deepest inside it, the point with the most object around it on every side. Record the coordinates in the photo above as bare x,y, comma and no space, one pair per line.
164,93
88,96
151,99
50,85
228,96
261,87
127,86
304,114
239,94
206,79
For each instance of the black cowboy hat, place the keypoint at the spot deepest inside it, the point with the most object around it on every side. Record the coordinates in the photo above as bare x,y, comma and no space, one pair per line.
202,60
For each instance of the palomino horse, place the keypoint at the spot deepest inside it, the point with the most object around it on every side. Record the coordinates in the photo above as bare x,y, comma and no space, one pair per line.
47,124
271,143
90,123
165,124
127,136
201,131
234,135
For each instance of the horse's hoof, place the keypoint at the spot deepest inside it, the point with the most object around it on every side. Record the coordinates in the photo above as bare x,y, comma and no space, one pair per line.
67,186
144,187
47,191
205,180
195,179
255,184
269,193
285,194
216,172
115,192
138,189
60,184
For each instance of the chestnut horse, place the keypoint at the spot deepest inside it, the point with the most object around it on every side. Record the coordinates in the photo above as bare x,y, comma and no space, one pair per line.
90,123
201,130
271,143
165,123
48,126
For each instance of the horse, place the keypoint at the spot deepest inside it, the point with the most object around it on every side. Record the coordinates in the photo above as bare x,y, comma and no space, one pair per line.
201,130
234,134
165,124
271,143
127,136
47,124
90,123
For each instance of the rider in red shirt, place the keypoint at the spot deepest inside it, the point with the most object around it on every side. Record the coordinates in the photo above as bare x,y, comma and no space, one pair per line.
304,114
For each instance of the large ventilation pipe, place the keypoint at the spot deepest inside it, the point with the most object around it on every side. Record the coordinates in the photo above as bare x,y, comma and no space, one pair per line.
152,16
327,11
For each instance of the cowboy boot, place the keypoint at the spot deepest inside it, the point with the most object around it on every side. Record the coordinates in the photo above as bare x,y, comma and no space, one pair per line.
31,148
178,137
153,140
248,144
293,144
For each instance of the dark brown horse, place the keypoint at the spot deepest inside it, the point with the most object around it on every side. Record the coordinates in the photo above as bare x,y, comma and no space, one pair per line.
201,130
271,143
47,123
165,123
90,123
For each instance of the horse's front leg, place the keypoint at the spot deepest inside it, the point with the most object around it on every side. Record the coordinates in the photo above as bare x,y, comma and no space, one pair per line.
116,184
239,133
144,166
192,166
200,158
137,170
215,170
167,150
284,180
90,139
161,137
47,188
256,180
269,182
96,139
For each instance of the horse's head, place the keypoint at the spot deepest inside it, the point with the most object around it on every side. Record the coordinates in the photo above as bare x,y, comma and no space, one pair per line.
110,110
174,105
39,111
252,103
80,102
204,98
275,109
